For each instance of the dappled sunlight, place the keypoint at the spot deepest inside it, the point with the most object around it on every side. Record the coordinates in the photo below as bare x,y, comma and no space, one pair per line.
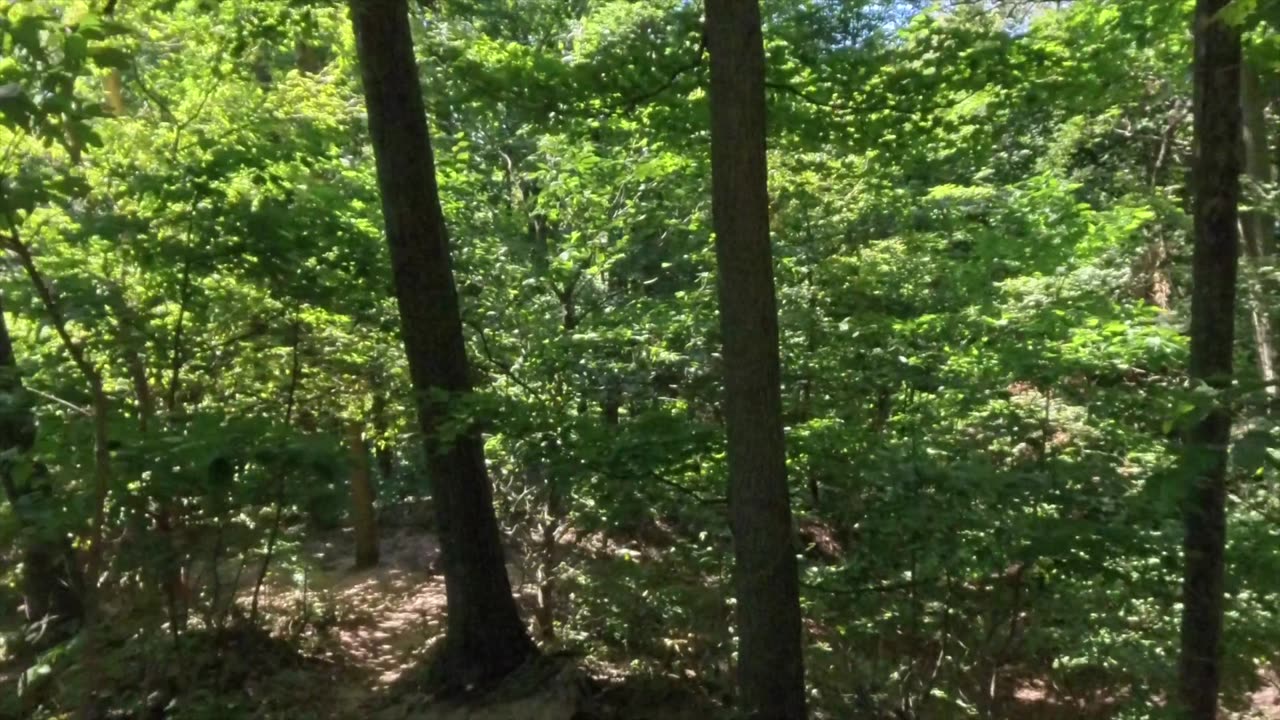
387,615
797,359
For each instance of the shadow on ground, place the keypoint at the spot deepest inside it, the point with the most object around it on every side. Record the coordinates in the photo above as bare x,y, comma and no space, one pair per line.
382,623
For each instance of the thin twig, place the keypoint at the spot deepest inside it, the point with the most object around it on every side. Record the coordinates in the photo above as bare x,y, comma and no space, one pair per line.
65,403
504,367
635,101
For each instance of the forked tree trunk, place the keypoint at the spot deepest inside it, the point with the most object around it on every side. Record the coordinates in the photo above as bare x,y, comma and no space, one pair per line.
364,519
484,637
770,661
1216,178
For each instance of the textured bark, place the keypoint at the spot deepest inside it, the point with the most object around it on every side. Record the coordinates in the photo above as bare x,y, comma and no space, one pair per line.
1216,178
364,519
485,638
770,665
1257,226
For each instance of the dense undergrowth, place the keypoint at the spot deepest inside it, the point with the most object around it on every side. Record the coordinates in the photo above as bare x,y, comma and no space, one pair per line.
980,221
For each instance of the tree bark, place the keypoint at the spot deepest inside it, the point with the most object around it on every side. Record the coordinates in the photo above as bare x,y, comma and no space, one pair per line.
770,664
485,637
364,519
383,453
1257,226
1216,177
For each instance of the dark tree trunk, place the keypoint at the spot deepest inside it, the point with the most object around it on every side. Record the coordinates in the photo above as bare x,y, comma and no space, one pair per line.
364,519
383,454
770,666
49,574
611,406
485,638
1216,177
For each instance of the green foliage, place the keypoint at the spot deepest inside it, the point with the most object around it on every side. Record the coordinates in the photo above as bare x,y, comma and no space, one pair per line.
980,227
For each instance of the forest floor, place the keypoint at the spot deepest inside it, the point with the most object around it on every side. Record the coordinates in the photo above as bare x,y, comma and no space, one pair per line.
355,643
372,631
379,625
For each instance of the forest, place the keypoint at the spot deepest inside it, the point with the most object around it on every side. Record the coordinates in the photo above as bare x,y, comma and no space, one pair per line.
639,359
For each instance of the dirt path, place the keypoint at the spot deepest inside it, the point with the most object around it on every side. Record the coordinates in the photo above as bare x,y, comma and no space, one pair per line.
377,624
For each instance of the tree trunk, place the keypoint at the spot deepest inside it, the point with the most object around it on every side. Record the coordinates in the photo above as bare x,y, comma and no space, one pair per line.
101,407
611,406
49,578
770,665
383,453
1216,176
364,520
279,472
1257,226
485,638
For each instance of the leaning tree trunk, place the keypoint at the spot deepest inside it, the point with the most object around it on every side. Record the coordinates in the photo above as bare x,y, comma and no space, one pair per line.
1258,226
1216,177
50,579
770,661
91,633
485,638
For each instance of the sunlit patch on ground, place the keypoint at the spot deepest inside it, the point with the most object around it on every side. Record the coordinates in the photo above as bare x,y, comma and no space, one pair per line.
388,615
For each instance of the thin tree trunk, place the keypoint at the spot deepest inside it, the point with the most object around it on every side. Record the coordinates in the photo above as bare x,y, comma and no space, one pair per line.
176,355
485,638
611,406
1257,226
557,507
49,579
364,519
101,407
273,535
1216,177
114,85
94,641
770,660
177,592
172,586
806,385
383,453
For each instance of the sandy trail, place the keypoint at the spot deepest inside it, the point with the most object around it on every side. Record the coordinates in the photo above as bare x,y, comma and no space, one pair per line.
378,623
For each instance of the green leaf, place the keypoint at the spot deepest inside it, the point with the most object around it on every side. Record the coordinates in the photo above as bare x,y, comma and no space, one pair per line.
26,33
91,27
75,50
110,57
1238,11
1250,453
15,107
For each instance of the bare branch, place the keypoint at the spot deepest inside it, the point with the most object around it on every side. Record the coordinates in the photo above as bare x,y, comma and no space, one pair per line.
65,403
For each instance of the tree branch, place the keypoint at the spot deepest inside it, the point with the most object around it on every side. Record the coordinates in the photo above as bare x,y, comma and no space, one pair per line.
65,403
503,367
14,243
635,101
